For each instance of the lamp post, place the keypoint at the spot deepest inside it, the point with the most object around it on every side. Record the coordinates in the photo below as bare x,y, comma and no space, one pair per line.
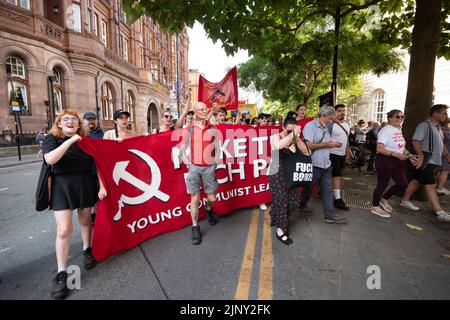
337,25
15,108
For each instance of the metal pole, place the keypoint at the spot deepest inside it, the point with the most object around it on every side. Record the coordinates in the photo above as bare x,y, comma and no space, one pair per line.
16,120
337,20
16,115
178,84
51,100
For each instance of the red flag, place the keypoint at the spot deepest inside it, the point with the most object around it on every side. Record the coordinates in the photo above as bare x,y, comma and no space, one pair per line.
145,182
224,93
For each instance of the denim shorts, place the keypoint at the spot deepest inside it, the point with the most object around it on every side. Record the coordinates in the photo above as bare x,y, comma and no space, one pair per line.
197,175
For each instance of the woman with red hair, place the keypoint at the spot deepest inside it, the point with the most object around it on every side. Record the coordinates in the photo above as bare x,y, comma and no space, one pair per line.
73,187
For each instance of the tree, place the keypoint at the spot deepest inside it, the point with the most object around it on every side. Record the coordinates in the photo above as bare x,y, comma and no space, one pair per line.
422,27
293,40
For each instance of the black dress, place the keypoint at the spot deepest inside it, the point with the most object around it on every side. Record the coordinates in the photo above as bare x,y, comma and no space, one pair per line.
73,184
284,200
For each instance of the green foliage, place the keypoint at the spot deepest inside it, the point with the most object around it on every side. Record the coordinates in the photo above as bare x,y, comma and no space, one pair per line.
398,20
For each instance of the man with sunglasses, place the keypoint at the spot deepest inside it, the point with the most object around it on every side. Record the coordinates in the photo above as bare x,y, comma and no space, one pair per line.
200,139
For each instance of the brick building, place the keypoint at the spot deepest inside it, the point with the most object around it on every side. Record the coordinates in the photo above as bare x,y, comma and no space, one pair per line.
86,55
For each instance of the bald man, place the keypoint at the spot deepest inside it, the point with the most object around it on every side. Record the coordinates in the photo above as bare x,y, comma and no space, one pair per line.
200,139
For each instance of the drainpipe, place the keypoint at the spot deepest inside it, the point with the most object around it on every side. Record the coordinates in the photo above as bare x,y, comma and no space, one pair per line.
96,96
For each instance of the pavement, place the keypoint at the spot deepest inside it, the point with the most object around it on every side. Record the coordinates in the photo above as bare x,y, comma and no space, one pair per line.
239,258
7,162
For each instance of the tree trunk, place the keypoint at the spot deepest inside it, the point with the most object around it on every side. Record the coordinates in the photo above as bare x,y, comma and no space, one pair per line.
425,37
419,97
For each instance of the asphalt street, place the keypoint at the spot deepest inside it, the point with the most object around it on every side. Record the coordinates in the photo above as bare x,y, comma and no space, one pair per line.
239,258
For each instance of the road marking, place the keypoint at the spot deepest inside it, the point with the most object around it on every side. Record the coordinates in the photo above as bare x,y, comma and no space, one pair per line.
265,272
29,174
4,189
245,277
6,249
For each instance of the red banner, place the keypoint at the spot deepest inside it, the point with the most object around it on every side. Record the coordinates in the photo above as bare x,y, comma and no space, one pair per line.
146,189
224,93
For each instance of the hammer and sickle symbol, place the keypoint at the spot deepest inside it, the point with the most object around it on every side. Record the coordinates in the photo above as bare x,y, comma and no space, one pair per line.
149,191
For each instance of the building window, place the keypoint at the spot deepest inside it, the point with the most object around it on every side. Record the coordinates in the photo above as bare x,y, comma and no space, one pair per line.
124,16
378,105
142,63
88,20
104,32
125,48
107,101
74,21
58,90
25,4
129,104
17,84
96,24
155,71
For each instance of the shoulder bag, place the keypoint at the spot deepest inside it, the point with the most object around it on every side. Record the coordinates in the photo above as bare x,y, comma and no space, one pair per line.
427,154
43,190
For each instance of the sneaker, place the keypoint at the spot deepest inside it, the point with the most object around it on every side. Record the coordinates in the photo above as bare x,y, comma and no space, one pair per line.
340,204
408,205
335,219
263,206
443,191
379,211
211,217
60,289
196,236
443,216
88,259
385,205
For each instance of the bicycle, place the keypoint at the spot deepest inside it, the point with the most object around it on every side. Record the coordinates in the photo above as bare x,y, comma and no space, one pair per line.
359,157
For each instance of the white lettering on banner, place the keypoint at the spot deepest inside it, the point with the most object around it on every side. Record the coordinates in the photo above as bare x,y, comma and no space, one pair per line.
223,149
238,147
261,188
240,170
258,166
260,141
150,191
154,219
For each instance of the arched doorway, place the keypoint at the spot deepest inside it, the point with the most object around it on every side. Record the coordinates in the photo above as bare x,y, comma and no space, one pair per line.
152,117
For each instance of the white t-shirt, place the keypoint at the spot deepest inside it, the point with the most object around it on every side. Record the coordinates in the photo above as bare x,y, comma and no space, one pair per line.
392,138
337,134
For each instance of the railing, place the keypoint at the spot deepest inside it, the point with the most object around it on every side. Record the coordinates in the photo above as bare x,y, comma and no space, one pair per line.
53,30
8,139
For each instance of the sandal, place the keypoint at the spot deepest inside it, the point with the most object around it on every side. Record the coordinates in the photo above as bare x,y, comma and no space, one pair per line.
288,240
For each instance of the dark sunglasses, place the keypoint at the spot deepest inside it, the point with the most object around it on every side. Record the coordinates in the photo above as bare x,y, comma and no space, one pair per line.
399,117
289,131
168,116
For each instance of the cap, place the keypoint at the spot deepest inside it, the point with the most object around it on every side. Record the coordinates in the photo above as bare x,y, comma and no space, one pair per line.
119,112
89,114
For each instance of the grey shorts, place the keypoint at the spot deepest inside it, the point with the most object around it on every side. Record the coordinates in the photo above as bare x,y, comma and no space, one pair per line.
198,174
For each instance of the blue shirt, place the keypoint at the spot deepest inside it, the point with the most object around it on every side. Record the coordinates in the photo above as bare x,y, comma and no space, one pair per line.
96,134
315,133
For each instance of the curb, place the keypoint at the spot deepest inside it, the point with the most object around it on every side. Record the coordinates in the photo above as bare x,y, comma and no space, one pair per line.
18,164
